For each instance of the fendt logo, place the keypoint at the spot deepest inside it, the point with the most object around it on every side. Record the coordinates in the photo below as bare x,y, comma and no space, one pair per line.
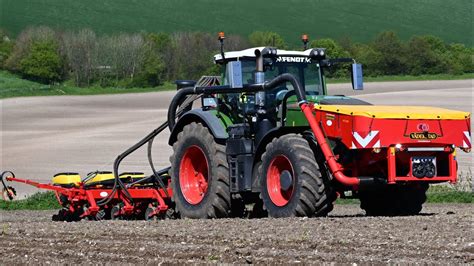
290,59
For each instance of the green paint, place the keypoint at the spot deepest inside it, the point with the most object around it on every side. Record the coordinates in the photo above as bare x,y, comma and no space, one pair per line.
359,19
226,121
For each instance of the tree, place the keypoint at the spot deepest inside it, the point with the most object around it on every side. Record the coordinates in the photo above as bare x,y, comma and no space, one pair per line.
152,73
393,58
42,63
80,50
422,59
23,43
460,58
162,47
368,57
267,38
193,54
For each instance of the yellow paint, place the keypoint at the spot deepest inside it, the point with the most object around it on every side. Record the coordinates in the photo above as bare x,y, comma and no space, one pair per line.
66,179
395,112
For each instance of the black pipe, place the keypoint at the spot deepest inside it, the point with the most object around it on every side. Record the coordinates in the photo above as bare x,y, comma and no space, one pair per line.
286,77
178,99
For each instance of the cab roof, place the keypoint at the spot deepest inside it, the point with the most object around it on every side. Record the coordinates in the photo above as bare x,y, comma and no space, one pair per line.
250,53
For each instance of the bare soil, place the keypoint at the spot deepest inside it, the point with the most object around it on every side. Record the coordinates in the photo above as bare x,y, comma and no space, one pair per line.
442,234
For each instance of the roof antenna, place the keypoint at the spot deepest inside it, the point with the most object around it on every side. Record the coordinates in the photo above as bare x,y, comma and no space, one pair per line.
305,39
221,37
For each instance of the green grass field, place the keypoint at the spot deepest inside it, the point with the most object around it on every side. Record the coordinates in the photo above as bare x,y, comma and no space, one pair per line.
13,86
359,19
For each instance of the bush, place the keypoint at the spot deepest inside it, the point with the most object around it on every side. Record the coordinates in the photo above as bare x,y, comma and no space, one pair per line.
23,44
43,63
422,58
369,58
460,59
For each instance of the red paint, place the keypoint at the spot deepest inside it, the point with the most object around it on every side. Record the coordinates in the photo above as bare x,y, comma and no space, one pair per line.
364,134
79,197
194,175
279,196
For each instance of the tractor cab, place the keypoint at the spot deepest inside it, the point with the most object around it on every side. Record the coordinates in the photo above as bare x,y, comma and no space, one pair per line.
305,69
263,64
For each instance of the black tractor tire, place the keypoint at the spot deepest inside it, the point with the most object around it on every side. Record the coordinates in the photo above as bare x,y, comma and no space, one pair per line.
307,194
197,150
328,204
395,200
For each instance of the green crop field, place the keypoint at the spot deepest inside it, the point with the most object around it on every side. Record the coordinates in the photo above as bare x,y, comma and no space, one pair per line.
358,19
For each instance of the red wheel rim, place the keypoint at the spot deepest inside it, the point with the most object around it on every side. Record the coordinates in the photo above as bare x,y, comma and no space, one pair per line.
279,196
193,175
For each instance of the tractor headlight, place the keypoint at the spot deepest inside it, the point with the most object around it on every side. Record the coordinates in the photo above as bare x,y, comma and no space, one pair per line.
317,54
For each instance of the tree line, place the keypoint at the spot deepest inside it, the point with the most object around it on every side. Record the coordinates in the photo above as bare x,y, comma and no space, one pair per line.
149,59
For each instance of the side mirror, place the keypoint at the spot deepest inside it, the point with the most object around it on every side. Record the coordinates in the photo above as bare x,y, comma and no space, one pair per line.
357,78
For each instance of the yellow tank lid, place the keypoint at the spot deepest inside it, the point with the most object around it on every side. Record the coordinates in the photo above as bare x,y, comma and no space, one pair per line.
66,179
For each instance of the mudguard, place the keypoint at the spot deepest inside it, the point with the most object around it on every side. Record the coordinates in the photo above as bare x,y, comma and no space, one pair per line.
207,118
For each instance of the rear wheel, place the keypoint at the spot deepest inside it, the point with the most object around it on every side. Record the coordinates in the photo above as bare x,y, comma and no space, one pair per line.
394,200
200,176
291,180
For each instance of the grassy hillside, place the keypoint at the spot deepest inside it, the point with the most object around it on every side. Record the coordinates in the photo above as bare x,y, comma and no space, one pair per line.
359,19
13,86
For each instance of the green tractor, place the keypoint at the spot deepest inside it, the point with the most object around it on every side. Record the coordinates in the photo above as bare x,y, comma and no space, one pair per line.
240,134
268,134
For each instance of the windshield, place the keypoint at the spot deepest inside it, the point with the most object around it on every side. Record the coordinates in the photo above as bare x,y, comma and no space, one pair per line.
307,74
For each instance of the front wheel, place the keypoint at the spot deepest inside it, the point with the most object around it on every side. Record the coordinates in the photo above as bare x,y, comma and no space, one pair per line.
291,180
200,175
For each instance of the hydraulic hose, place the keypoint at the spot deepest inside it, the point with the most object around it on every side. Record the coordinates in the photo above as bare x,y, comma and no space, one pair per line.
335,168
177,100
147,139
122,156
